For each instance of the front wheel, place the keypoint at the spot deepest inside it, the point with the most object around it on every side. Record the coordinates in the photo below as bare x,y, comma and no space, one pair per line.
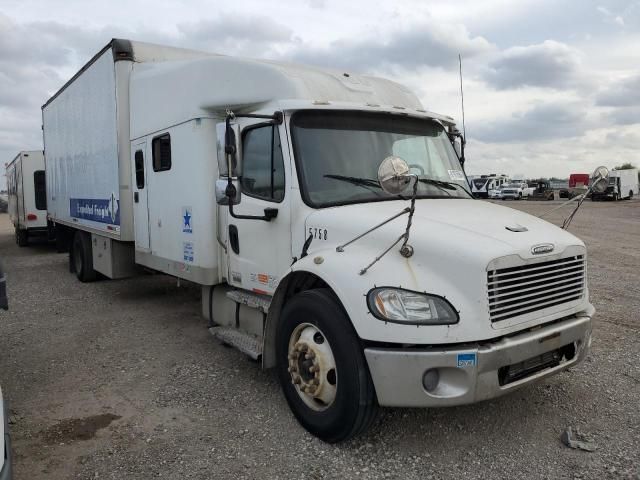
322,369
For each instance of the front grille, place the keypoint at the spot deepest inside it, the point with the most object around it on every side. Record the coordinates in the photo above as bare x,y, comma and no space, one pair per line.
531,366
516,291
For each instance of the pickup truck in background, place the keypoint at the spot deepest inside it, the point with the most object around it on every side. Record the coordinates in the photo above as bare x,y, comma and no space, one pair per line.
514,191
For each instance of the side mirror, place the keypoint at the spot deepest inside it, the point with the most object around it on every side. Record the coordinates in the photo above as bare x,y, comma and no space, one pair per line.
227,141
221,191
457,146
394,175
599,179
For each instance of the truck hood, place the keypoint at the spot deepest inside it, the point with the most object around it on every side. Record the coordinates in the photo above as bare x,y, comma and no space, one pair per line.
469,223
455,241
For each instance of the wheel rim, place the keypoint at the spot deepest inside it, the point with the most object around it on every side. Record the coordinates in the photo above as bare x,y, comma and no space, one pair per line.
312,367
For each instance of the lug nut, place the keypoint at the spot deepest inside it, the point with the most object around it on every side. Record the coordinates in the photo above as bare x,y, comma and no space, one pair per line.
297,380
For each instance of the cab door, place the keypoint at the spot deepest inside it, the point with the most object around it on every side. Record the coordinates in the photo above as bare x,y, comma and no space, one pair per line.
140,196
259,251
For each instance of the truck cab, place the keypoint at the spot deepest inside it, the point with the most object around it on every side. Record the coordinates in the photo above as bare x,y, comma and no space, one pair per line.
329,220
487,301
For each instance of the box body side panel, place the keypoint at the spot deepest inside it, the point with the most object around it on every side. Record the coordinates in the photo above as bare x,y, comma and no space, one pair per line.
80,128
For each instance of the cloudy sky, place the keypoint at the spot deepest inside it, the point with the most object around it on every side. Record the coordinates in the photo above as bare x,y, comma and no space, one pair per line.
551,86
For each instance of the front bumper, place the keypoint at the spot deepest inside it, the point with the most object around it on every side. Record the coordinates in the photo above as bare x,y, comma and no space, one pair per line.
471,373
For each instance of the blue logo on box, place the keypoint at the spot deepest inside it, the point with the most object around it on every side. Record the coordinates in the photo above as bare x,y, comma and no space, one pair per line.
96,209
466,360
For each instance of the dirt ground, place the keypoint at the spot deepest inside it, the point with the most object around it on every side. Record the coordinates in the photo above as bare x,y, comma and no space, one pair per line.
121,380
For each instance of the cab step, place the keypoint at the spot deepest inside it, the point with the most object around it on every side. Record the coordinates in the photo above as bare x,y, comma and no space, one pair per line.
244,342
250,299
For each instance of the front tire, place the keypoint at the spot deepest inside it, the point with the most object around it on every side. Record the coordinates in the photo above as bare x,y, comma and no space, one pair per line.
322,369
82,257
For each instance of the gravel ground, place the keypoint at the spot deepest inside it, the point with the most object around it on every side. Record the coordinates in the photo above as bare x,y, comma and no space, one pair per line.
120,379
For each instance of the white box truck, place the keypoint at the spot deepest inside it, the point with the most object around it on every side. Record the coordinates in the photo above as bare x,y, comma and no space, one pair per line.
623,184
27,200
329,221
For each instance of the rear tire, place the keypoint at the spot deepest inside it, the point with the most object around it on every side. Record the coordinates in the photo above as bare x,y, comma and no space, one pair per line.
82,257
630,194
353,405
22,237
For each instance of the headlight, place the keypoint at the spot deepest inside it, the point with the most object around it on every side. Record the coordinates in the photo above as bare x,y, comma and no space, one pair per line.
404,306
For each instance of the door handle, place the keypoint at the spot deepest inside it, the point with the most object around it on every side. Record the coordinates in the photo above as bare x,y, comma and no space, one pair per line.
135,197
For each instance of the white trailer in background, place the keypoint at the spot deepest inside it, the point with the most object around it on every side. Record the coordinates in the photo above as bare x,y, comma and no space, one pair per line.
27,200
487,186
276,188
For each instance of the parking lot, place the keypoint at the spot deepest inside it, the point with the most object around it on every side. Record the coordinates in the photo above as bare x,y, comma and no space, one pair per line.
121,379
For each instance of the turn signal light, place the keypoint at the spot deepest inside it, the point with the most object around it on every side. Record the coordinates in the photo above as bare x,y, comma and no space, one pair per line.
32,216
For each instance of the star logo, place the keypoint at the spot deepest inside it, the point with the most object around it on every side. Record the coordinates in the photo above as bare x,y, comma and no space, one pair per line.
187,219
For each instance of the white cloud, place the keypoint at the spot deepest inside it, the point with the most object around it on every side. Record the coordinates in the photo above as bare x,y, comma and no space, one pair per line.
419,44
548,64
545,93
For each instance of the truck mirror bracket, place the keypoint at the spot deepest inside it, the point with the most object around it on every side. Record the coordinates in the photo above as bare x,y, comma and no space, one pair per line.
269,213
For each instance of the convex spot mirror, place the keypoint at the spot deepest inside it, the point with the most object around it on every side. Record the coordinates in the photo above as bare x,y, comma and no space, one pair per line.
221,191
599,179
394,175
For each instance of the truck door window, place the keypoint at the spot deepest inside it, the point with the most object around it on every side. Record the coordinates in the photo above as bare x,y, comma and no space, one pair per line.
39,186
161,148
262,164
139,166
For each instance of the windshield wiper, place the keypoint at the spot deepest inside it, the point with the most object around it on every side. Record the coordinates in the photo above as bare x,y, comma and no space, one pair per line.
367,183
444,185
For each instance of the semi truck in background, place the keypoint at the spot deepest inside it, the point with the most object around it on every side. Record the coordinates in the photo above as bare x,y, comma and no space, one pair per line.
328,220
27,200
623,184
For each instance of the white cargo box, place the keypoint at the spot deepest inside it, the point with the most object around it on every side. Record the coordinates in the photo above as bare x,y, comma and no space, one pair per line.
86,141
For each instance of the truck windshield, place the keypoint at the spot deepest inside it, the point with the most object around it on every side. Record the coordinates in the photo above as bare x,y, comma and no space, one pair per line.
338,154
